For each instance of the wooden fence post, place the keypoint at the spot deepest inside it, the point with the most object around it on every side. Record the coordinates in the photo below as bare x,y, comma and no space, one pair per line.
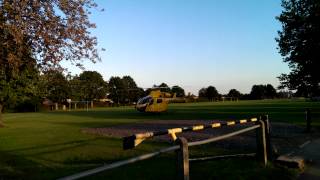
308,120
266,121
261,143
183,159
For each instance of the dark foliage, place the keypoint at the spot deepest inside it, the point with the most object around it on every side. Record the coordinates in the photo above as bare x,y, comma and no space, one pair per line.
178,91
299,44
210,93
263,92
234,93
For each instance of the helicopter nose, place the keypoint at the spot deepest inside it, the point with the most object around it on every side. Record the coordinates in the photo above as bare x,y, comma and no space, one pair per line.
141,107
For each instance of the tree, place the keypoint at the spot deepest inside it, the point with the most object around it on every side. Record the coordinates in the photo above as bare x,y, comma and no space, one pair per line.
234,93
74,84
132,92
18,71
56,86
202,92
116,89
51,31
284,94
129,90
212,93
178,91
299,44
257,92
92,85
139,93
263,91
270,91
129,83
57,29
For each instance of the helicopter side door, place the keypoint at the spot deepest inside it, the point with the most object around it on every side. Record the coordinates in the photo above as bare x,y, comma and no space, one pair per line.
157,105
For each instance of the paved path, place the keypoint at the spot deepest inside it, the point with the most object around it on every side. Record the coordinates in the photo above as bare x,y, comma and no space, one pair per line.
311,152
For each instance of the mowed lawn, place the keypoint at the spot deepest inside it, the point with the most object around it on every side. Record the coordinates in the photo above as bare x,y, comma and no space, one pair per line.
49,145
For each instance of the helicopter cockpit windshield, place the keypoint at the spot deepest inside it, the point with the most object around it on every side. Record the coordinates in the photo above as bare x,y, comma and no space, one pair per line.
144,100
142,103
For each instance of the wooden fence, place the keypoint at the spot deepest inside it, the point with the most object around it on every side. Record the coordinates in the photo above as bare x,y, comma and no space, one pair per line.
261,125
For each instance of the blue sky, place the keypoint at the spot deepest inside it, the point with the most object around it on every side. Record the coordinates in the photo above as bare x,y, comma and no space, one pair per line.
190,43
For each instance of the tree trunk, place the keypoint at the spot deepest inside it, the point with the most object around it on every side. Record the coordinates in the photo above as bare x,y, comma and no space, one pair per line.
1,122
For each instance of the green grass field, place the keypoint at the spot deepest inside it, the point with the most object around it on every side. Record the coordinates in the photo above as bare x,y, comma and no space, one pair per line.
49,145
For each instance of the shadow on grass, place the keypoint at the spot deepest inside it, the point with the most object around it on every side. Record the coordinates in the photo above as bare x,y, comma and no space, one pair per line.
18,167
70,144
164,167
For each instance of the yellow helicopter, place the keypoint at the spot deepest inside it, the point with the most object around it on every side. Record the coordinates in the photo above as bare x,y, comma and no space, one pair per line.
155,102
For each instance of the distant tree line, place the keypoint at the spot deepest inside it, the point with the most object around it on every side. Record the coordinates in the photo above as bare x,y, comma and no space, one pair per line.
30,88
89,86
57,87
257,92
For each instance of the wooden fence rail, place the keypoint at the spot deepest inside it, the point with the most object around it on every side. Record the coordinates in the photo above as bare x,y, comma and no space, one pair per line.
262,134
